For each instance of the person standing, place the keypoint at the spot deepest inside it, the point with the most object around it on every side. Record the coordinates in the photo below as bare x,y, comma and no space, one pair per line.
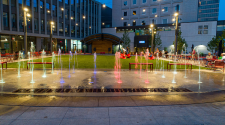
127,50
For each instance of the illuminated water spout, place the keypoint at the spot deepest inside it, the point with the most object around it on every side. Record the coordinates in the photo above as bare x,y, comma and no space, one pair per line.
44,70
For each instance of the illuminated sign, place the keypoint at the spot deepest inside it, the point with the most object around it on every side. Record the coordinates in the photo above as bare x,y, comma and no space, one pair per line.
141,41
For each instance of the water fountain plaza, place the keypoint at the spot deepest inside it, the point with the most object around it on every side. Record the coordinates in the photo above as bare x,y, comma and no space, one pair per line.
70,79
211,81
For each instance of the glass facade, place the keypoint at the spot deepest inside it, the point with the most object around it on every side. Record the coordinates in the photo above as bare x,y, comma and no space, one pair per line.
73,19
208,10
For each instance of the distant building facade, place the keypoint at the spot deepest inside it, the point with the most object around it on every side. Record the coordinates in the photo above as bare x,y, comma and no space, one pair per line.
73,20
143,12
208,10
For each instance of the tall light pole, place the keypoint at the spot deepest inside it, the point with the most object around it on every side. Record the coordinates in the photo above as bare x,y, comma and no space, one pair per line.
176,33
152,28
25,30
52,23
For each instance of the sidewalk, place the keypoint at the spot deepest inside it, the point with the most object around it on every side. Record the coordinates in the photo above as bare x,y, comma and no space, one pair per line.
209,113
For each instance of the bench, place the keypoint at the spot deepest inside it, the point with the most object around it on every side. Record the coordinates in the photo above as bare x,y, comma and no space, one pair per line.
188,64
40,63
5,64
151,65
218,65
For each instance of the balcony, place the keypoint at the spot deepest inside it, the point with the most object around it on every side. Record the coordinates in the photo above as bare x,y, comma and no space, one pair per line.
143,16
125,7
177,1
165,2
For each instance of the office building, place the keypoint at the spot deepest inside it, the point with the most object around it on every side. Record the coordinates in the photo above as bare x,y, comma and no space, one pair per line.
73,20
208,10
143,12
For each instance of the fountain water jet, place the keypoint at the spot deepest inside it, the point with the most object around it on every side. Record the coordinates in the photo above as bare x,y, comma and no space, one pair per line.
19,57
136,61
32,65
1,81
185,61
44,69
70,56
174,73
53,57
141,65
163,76
146,57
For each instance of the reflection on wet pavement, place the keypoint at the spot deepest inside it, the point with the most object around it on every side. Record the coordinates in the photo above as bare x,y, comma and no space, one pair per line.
211,81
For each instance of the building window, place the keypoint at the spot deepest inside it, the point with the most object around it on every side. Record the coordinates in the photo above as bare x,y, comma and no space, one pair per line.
35,4
143,1
66,1
154,10
164,21
28,2
124,23
60,0
60,27
72,2
13,16
143,12
177,8
125,3
35,24
124,13
134,23
61,14
200,29
134,2
5,19
42,7
203,29
67,29
154,0
165,9
73,31
54,11
143,22
13,3
47,6
134,12
66,13
5,2
42,26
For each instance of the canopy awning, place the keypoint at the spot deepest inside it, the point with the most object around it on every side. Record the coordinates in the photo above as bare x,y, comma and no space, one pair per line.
102,36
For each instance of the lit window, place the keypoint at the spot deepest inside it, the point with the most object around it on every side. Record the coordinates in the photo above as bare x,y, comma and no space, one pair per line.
134,12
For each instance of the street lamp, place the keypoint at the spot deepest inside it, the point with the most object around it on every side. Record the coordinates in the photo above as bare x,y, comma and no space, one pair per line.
52,24
83,17
25,29
152,28
103,5
122,18
176,32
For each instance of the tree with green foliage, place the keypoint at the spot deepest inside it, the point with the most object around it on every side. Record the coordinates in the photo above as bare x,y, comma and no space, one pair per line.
180,42
212,44
157,42
126,40
221,38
